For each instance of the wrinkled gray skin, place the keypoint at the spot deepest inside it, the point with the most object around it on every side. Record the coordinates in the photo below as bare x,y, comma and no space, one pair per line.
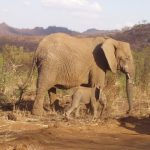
83,95
64,62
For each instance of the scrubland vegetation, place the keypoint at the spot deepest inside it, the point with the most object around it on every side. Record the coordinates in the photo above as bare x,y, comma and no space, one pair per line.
16,55
16,63
50,132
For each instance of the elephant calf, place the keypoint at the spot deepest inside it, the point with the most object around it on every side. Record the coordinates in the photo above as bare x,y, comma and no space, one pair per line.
83,95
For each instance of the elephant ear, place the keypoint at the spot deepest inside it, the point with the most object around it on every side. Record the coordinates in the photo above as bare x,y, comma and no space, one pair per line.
109,47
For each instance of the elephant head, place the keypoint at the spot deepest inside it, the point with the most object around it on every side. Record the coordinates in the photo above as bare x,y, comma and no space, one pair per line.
119,57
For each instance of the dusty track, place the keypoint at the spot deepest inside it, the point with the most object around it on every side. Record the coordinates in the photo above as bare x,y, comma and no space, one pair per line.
52,134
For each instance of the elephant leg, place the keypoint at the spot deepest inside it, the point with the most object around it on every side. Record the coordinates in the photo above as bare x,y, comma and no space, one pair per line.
43,84
75,104
77,113
103,103
52,97
38,104
94,102
89,108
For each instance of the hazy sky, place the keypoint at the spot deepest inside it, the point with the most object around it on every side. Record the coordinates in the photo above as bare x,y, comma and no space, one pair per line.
75,14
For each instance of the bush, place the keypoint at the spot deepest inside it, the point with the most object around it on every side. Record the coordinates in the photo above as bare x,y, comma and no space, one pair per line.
15,64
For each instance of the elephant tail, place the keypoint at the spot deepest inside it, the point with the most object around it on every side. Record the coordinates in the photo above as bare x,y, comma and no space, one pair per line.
23,87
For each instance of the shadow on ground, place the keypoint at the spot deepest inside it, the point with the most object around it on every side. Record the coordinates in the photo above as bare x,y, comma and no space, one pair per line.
140,125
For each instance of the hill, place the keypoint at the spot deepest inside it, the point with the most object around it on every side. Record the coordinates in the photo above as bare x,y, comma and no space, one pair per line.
29,43
6,30
94,32
28,38
138,36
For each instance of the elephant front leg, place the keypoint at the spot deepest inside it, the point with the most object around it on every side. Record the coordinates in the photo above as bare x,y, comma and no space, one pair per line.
103,102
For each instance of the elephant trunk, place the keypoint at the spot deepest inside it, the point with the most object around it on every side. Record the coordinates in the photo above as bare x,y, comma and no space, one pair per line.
130,75
129,90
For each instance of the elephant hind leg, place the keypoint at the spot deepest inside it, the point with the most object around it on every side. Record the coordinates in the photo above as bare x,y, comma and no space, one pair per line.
75,105
77,113
52,97
43,85
89,109
38,103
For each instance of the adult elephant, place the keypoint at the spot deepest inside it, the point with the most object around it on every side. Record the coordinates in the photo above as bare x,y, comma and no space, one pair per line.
65,61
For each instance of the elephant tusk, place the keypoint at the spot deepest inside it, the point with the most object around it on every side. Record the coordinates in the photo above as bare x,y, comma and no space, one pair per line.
128,75
130,80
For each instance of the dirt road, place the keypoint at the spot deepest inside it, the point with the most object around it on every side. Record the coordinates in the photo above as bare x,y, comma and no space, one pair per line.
124,134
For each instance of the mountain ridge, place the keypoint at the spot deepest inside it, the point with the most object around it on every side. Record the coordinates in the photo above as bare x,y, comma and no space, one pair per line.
37,31
138,36
93,31
40,31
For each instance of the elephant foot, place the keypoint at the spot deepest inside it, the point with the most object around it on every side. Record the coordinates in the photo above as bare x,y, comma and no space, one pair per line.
95,116
94,119
101,117
77,117
37,112
129,112
66,116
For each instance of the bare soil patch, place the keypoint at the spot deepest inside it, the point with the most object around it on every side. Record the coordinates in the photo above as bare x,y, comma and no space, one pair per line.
53,132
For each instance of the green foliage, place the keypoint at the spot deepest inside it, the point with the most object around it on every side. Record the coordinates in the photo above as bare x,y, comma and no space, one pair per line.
142,65
29,43
139,63
116,83
15,64
145,79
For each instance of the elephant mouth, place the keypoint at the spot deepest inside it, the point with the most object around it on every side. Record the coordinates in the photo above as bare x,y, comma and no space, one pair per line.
128,74
123,69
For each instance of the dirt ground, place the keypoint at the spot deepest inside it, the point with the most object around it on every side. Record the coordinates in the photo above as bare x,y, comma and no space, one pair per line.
55,133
